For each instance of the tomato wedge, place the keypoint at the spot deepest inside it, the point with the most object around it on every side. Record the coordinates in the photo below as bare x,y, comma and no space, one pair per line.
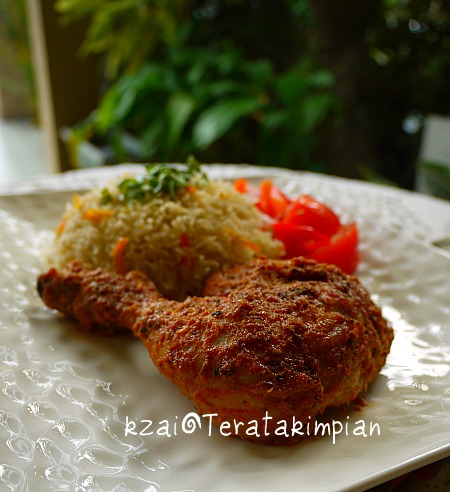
298,240
272,201
342,250
306,210
306,226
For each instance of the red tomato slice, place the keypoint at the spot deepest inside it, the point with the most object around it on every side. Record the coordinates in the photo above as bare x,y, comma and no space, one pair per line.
299,240
342,250
272,200
306,226
305,210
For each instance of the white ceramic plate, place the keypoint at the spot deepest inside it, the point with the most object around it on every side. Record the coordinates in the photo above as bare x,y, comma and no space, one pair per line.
66,398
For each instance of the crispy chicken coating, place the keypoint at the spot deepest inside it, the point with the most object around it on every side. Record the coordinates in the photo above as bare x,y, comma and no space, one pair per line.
285,338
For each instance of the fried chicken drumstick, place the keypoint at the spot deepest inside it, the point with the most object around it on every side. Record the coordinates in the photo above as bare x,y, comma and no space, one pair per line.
286,337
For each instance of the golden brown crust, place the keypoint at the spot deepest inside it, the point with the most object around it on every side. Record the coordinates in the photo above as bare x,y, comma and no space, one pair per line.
287,337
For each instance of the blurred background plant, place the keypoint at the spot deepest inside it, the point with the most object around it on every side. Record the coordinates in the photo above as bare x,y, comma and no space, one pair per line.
338,87
16,69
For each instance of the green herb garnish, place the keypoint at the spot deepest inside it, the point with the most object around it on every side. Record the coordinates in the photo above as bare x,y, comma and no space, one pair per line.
159,178
106,196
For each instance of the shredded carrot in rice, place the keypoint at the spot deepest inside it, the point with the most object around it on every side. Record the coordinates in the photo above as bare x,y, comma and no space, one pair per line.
97,214
76,202
191,189
207,225
254,247
241,185
118,254
246,242
61,226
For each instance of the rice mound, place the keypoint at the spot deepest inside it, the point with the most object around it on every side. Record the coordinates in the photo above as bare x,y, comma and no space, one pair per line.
176,243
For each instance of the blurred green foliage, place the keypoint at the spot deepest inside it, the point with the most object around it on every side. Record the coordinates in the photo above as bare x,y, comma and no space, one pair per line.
14,23
434,178
282,83
409,42
126,32
212,104
177,86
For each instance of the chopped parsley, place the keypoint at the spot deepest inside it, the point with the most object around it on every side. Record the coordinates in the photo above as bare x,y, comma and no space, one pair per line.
158,178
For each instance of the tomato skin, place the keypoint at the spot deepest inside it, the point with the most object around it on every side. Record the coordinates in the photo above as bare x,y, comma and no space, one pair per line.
298,240
272,201
306,210
305,226
342,250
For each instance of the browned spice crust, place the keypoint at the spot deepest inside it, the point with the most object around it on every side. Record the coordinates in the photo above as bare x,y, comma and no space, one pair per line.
287,338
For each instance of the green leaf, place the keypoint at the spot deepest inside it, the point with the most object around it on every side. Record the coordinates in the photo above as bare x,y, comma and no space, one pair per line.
313,111
179,109
261,71
152,136
123,102
322,79
106,112
119,101
274,119
218,119
435,177
297,82
221,88
291,86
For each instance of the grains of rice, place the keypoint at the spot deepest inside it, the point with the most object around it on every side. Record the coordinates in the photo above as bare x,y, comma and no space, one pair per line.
177,243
